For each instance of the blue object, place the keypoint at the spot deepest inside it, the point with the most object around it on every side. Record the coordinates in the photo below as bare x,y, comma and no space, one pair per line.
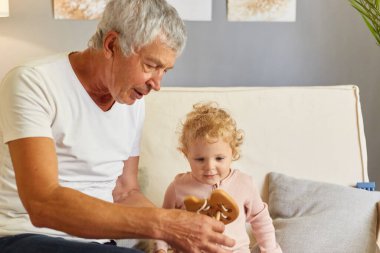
34,243
369,186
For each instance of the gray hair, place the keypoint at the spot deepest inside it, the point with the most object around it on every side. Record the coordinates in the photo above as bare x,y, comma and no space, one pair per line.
140,22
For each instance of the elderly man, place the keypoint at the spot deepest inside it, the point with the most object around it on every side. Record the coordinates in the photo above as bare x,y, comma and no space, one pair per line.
70,128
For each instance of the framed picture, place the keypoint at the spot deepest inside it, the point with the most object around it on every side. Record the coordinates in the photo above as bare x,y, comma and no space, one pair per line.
194,10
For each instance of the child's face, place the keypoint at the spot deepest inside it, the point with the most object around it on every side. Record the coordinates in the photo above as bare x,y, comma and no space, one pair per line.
209,162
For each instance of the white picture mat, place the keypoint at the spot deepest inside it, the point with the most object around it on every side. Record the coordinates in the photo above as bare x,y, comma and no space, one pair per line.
193,10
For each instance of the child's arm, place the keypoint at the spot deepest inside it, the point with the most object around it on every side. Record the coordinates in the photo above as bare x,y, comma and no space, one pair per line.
263,231
261,222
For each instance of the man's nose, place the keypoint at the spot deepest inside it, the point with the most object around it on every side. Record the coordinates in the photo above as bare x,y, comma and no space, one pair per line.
155,82
156,85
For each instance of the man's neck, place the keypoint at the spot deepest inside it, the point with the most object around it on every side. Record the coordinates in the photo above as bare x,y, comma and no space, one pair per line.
88,67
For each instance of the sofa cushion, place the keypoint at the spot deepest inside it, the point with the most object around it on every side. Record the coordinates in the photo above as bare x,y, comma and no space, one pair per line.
312,216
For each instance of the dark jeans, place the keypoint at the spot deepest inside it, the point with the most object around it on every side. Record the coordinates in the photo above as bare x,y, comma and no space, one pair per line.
33,243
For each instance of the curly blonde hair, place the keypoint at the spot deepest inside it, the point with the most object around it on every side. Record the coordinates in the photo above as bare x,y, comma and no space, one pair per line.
207,121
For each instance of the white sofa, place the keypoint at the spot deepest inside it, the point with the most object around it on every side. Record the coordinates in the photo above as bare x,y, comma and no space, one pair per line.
301,134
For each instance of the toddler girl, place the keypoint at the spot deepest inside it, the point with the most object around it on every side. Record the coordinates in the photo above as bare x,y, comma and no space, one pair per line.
210,141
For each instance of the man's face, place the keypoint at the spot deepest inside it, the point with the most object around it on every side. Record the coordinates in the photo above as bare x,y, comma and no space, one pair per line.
133,77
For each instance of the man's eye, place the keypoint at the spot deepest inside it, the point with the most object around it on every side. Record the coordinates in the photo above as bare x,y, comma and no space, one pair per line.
150,66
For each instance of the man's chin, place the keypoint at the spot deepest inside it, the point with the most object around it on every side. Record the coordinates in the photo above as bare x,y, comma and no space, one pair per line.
128,101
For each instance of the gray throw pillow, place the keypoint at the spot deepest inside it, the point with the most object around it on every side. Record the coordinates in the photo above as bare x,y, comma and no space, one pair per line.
315,217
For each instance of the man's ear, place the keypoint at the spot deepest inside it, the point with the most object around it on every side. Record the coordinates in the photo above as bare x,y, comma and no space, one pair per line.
110,43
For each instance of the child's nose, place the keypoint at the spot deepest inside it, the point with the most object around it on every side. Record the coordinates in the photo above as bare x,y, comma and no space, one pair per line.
210,165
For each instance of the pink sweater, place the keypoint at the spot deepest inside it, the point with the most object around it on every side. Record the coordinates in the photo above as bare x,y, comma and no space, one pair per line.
251,209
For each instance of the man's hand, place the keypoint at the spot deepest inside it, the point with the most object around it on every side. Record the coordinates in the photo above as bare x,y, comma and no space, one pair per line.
195,233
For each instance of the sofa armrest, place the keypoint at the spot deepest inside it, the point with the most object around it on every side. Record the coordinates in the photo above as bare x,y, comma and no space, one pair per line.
378,226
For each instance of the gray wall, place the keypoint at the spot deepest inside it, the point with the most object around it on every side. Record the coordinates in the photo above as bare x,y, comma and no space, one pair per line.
328,45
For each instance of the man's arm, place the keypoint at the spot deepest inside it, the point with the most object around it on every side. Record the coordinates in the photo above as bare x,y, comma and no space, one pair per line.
127,189
53,206
61,208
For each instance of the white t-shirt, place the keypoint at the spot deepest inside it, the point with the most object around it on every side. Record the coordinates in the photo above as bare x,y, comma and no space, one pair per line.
45,99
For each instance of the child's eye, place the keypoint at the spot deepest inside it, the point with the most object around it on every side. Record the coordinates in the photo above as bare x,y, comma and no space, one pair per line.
220,158
200,159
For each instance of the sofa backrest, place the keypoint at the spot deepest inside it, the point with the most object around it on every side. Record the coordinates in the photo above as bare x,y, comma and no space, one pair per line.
306,132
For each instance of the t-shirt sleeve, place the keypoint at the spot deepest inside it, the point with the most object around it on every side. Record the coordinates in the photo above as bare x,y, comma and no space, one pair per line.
170,197
26,107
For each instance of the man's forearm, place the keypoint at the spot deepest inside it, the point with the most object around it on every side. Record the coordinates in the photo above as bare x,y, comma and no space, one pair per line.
81,215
